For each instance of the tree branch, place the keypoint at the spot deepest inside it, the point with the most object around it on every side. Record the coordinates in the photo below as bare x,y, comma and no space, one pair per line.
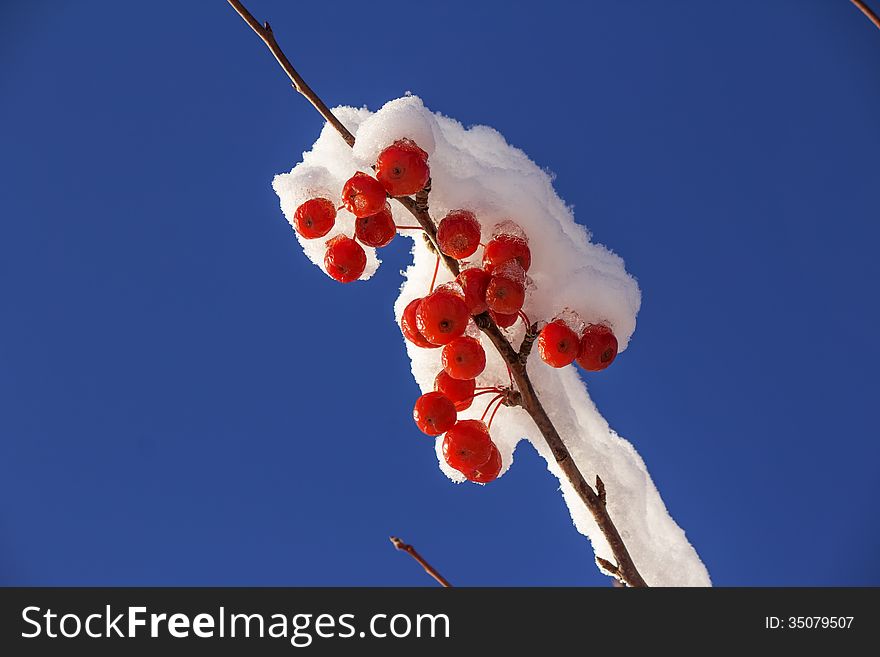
264,31
600,489
528,341
625,569
866,10
422,197
411,551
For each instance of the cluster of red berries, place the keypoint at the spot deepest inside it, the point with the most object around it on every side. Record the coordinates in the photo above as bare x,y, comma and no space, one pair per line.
401,169
594,350
440,319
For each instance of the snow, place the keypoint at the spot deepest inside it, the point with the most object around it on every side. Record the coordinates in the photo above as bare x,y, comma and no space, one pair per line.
476,169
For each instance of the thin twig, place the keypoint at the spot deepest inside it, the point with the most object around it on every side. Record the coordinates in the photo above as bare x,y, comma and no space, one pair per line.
411,551
866,10
264,31
611,568
626,570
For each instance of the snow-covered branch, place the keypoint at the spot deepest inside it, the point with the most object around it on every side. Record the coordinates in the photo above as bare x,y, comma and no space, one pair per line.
613,296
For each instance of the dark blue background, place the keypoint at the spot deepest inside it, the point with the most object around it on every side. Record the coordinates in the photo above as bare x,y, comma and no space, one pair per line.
184,399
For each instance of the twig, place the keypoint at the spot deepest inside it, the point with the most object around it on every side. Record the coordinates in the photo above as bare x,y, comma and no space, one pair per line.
626,570
600,489
866,10
411,551
264,31
606,565
526,347
422,197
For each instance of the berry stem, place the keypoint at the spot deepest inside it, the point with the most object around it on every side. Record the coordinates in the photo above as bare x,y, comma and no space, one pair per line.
487,392
434,277
625,569
408,227
492,417
525,318
489,405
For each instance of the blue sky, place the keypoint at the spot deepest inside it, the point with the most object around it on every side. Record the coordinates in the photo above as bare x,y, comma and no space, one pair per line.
185,399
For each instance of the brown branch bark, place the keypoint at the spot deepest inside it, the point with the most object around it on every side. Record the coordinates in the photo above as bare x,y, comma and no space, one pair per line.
625,570
866,10
411,551
525,348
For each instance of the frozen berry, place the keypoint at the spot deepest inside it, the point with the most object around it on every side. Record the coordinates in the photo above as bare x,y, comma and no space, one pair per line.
467,446
442,316
504,321
464,358
558,344
376,230
489,470
502,248
345,259
363,195
409,328
598,348
402,168
458,235
460,391
505,295
314,218
473,282
434,413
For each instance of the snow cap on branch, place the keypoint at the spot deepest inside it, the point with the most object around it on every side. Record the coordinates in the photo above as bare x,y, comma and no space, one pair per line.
476,169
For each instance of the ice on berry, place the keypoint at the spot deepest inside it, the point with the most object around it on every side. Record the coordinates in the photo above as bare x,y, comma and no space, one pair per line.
571,319
512,270
509,228
571,277
451,286
473,331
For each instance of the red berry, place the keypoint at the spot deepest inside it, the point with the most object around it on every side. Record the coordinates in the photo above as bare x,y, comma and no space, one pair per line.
598,348
458,235
460,391
502,248
434,413
489,471
505,295
558,344
473,282
442,316
402,168
464,358
345,259
377,230
467,446
314,218
409,328
504,321
363,195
